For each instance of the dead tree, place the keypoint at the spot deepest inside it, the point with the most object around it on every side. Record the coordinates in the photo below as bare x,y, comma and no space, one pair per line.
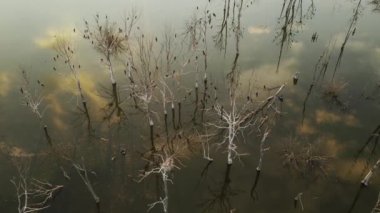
111,42
205,140
262,150
197,34
144,77
369,175
82,172
33,99
166,164
376,208
33,195
235,121
235,118
298,199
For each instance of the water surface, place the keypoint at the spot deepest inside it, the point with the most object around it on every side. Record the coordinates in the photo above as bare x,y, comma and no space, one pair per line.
323,130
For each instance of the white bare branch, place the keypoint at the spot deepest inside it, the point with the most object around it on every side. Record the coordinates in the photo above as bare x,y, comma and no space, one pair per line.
33,195
82,171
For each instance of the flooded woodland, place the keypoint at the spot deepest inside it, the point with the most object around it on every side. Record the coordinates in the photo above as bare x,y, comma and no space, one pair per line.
190,106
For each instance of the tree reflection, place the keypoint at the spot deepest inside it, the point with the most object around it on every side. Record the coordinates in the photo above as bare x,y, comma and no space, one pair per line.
376,5
374,139
350,32
65,51
253,192
291,20
111,42
356,198
112,111
221,36
220,196
33,99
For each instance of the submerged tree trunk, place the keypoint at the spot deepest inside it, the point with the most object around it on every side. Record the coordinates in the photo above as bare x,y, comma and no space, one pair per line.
179,115
196,104
204,97
84,103
173,116
47,136
257,177
116,99
262,150
151,125
167,131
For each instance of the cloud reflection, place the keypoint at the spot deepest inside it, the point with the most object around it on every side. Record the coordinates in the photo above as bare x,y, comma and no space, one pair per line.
306,128
64,87
48,40
265,74
258,30
5,84
324,117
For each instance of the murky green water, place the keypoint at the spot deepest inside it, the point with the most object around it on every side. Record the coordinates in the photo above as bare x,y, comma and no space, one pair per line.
322,131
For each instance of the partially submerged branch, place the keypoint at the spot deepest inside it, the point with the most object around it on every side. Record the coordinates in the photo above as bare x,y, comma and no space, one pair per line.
82,172
33,195
33,100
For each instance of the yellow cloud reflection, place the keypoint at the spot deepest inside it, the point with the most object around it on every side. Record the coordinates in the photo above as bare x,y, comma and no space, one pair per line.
357,45
47,41
89,86
14,151
297,48
324,117
377,50
258,30
63,97
59,113
332,147
349,170
5,84
306,128
266,74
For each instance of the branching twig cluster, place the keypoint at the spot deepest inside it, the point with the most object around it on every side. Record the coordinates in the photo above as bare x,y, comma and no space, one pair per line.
33,195
305,159
82,172
165,164
32,99
65,51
